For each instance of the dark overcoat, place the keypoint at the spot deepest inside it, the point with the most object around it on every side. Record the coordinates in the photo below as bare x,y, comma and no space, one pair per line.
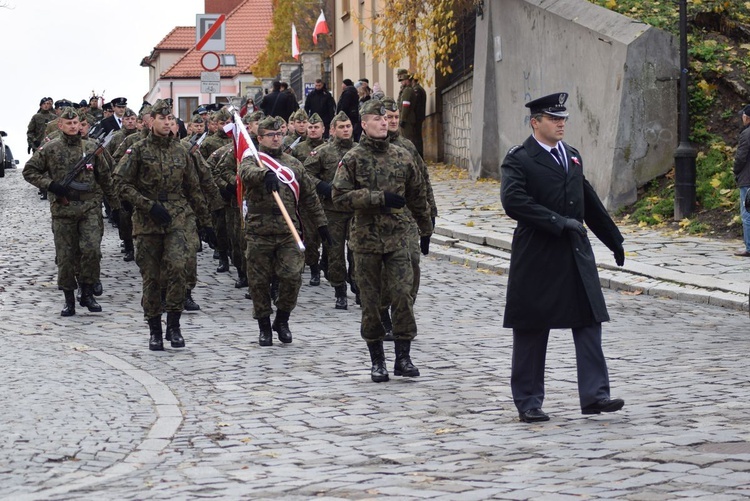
553,281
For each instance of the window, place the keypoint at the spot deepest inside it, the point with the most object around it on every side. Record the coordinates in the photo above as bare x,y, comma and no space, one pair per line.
186,107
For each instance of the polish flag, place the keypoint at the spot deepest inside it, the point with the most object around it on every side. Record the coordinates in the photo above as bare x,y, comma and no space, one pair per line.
321,27
295,43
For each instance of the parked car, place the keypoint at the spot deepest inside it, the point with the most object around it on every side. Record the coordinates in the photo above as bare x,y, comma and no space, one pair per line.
6,157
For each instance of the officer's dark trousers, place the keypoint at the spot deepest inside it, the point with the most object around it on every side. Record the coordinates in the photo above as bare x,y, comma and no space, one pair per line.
529,356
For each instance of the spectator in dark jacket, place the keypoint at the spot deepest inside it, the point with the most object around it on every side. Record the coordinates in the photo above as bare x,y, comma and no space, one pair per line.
742,176
321,101
349,104
278,103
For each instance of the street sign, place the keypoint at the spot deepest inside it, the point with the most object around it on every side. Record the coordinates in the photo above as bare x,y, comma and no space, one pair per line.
309,87
210,32
210,61
210,82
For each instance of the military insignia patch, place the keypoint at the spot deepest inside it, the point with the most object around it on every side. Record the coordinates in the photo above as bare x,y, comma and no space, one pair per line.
127,152
313,153
513,149
89,166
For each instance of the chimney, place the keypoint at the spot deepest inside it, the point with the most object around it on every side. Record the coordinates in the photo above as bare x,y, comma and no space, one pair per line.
221,6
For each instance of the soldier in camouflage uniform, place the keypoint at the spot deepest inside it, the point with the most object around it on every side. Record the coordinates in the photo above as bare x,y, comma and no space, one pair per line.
212,143
38,124
321,165
157,178
406,106
298,124
271,249
377,179
76,214
314,138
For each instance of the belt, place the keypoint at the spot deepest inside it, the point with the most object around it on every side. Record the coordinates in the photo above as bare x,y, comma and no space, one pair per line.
275,211
163,196
378,210
74,196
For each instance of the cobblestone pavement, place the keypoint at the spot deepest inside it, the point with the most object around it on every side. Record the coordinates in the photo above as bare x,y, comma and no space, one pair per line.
90,413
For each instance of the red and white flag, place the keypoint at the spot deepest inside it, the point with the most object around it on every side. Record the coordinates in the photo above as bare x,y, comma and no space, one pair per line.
237,131
295,43
321,28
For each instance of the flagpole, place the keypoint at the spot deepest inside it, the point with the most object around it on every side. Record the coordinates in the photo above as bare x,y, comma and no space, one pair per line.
282,208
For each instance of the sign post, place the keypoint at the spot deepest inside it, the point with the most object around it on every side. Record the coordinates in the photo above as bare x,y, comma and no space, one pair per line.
210,32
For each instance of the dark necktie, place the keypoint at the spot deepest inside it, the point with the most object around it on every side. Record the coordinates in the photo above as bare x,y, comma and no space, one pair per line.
558,157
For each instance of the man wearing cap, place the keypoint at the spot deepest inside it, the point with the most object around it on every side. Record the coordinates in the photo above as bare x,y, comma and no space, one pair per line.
271,248
94,109
114,122
553,281
38,124
107,111
321,164
76,209
164,196
377,180
741,171
407,107
124,228
396,138
299,122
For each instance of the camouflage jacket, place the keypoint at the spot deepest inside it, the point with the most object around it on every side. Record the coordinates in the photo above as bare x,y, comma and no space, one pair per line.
52,162
207,183
368,170
38,127
117,139
303,149
128,142
292,137
322,164
263,215
159,169
399,140
214,142
51,126
224,168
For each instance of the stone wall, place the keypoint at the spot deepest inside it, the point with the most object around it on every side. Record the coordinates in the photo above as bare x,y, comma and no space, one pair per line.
456,118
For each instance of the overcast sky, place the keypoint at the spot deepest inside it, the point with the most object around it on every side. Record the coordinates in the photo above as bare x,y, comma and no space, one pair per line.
67,48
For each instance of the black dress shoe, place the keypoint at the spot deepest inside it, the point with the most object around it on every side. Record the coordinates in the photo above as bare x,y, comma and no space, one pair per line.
604,405
533,416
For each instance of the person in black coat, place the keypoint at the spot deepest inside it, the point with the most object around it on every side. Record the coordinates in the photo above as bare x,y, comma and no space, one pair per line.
114,122
553,281
278,103
320,101
349,104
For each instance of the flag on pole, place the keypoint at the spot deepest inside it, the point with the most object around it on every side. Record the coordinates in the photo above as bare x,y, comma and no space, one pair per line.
295,43
321,28
237,131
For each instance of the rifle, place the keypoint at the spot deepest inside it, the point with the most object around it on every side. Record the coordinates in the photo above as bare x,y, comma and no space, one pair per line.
68,181
196,141
293,145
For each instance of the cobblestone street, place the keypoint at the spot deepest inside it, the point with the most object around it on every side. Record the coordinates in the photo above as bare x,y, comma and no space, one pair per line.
90,413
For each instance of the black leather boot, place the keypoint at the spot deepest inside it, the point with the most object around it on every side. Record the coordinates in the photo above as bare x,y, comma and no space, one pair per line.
87,298
216,254
379,372
403,365
223,263
241,281
97,289
190,305
266,336
70,304
385,319
173,329
281,326
155,342
314,274
129,251
341,302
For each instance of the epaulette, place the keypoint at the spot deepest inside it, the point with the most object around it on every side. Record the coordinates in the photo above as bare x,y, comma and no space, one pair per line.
515,148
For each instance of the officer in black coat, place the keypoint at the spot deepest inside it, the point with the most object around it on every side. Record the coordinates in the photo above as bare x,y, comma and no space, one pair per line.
114,122
553,282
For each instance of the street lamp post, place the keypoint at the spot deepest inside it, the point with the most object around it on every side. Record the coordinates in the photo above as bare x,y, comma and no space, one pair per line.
685,154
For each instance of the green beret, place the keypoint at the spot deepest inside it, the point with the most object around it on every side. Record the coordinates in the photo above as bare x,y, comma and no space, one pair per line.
69,113
129,113
146,110
269,123
198,119
373,107
161,107
301,115
255,116
390,104
315,119
340,117
223,115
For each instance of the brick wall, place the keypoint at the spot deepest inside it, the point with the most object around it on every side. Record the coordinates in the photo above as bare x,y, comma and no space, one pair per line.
457,122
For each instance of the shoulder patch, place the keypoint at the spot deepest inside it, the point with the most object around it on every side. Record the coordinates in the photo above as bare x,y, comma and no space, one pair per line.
313,153
514,149
127,152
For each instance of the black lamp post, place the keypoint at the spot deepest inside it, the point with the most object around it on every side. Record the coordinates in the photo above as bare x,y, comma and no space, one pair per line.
685,154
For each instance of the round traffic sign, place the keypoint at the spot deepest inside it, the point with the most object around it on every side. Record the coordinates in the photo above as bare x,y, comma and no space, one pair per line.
210,61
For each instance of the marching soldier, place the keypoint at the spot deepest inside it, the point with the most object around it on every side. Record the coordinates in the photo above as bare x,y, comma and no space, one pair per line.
321,165
38,124
160,192
376,180
271,249
77,224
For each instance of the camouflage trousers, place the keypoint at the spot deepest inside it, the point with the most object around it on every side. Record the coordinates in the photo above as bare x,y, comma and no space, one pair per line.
125,228
268,256
191,266
236,238
311,239
338,227
369,271
78,246
167,253
414,254
220,226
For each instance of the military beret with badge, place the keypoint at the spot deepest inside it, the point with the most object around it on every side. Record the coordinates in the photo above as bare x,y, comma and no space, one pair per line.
339,117
119,101
161,107
373,107
69,113
269,123
315,119
390,104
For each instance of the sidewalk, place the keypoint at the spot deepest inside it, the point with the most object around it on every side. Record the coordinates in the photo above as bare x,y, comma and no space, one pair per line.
472,229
